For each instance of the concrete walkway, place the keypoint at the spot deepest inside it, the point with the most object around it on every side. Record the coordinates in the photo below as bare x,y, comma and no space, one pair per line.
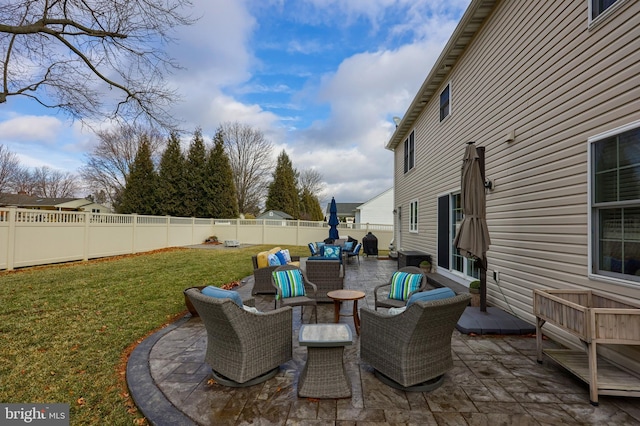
495,380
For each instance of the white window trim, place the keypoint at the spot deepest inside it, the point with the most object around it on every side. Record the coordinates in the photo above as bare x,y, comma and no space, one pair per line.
590,243
450,102
603,16
412,229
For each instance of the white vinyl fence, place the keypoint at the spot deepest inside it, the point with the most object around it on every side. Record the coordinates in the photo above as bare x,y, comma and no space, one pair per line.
39,237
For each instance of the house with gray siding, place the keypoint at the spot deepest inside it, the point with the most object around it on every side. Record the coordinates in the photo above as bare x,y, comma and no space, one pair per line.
551,91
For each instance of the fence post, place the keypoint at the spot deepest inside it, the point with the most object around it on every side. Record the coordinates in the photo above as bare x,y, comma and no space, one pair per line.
134,222
168,222
11,238
85,250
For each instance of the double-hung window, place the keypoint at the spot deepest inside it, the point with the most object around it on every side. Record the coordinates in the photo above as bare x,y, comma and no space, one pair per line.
615,204
409,153
413,216
445,102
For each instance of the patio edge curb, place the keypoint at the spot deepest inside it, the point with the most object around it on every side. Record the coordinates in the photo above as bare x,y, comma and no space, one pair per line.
149,399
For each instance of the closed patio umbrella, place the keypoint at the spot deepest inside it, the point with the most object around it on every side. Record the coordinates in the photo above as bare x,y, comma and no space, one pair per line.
472,238
333,220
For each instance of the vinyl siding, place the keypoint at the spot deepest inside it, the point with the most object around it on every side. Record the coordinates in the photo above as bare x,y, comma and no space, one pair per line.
544,74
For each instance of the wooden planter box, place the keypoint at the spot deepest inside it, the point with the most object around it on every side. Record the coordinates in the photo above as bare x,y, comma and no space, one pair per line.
595,318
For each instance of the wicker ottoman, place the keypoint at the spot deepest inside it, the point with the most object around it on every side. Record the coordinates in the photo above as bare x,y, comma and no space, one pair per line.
324,374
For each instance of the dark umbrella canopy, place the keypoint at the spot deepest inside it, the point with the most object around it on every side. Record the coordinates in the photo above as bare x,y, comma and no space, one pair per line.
333,220
472,238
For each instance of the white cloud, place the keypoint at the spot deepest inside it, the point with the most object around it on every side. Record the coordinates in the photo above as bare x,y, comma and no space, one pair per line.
42,129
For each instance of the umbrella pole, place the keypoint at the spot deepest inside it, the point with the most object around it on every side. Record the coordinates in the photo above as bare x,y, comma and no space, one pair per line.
483,288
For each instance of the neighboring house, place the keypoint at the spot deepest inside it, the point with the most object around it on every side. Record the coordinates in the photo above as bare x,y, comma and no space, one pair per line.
275,215
60,204
551,91
378,210
346,211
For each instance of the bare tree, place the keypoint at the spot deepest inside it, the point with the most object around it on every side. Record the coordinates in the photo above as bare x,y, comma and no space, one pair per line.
50,183
250,155
108,165
311,181
23,182
90,59
9,167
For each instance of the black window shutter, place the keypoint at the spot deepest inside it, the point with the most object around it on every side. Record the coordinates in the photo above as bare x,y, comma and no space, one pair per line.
443,232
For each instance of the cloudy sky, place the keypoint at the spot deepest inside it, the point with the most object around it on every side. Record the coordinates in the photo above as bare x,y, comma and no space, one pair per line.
322,79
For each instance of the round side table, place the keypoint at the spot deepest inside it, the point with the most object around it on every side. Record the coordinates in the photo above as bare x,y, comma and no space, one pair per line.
339,296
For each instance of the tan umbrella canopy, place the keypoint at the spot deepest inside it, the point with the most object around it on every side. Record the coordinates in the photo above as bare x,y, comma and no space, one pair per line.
472,237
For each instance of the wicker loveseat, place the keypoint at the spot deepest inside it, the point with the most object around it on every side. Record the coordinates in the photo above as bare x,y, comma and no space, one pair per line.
243,348
262,273
326,274
411,350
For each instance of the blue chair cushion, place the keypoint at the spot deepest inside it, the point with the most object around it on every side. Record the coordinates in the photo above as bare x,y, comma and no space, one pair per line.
290,282
348,246
332,252
219,293
356,250
320,248
312,249
403,284
435,294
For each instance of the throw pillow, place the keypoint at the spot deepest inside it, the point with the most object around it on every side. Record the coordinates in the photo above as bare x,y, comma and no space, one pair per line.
263,260
320,249
312,249
348,246
332,252
251,309
435,294
290,282
281,257
273,260
403,284
395,311
219,293
287,255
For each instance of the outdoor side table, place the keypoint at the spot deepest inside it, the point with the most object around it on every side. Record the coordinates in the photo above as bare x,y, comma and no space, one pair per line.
324,374
340,296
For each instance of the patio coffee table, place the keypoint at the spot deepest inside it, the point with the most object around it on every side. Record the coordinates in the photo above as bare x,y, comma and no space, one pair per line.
324,374
340,296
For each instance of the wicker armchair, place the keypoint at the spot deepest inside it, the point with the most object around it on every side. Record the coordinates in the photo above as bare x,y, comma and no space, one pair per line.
262,277
309,299
243,348
383,300
327,275
412,350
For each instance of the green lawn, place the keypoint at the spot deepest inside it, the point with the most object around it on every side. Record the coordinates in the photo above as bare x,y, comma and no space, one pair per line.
65,329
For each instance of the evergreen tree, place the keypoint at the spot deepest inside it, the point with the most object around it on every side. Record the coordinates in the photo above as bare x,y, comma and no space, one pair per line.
172,185
195,173
140,192
283,190
310,206
219,185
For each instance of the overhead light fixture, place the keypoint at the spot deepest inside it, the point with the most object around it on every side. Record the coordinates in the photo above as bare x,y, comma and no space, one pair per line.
397,120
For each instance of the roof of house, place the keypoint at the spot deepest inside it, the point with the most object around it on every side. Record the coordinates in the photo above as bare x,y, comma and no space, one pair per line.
274,214
28,201
344,209
469,25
